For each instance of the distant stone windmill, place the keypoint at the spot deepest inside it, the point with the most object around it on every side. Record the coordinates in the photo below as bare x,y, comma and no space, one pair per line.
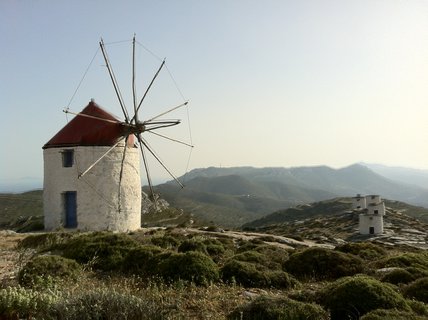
371,210
92,165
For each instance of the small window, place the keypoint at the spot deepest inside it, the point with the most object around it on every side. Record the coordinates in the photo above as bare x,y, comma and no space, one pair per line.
67,158
376,212
359,207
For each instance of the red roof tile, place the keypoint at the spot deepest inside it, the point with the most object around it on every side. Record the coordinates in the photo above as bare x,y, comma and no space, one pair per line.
85,131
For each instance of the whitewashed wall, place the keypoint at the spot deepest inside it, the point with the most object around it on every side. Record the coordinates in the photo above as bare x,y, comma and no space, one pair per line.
369,220
380,208
97,191
373,199
359,202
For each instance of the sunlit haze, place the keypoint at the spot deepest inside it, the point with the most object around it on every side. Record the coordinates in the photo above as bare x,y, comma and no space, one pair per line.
270,83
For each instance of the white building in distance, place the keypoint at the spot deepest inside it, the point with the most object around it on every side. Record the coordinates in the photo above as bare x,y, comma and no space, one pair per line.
372,210
95,200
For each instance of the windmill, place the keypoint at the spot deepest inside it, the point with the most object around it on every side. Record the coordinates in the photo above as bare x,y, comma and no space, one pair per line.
100,156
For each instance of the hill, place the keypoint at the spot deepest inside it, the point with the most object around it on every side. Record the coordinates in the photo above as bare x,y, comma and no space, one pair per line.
333,222
21,210
410,176
233,196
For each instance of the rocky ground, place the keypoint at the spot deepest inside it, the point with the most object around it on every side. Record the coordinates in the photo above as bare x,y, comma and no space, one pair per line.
399,229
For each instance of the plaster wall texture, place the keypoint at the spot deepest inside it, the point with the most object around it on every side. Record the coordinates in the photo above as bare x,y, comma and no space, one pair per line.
366,221
373,199
358,203
376,209
100,204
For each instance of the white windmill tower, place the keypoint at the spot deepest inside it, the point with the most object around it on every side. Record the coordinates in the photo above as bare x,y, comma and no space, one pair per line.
92,165
371,215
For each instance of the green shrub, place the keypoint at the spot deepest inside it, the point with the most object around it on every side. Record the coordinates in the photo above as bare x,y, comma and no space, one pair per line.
304,294
246,246
268,308
417,260
166,242
103,250
213,229
397,276
365,250
192,245
418,307
270,256
45,268
250,256
320,263
44,240
32,223
21,303
142,260
189,266
215,250
417,272
273,254
104,304
381,314
352,297
417,290
227,243
255,275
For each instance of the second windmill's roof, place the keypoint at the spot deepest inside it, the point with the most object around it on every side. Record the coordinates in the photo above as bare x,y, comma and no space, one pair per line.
87,131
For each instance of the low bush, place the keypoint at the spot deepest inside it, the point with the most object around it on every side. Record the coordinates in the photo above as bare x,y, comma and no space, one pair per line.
352,297
382,314
46,268
320,263
226,242
255,275
304,294
250,256
215,250
273,254
398,276
44,240
166,242
104,304
192,245
246,246
190,266
213,229
105,251
32,223
22,303
268,308
416,260
267,255
417,272
418,307
417,290
219,250
365,250
142,260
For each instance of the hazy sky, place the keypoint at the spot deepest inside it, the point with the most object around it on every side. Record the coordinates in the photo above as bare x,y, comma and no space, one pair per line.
270,83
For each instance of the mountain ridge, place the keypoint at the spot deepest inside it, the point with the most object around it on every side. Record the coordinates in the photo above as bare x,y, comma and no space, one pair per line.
260,191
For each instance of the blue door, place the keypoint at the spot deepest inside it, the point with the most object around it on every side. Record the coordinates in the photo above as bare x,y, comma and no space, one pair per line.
70,204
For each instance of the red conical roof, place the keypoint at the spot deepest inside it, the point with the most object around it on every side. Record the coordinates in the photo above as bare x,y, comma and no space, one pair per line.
86,131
